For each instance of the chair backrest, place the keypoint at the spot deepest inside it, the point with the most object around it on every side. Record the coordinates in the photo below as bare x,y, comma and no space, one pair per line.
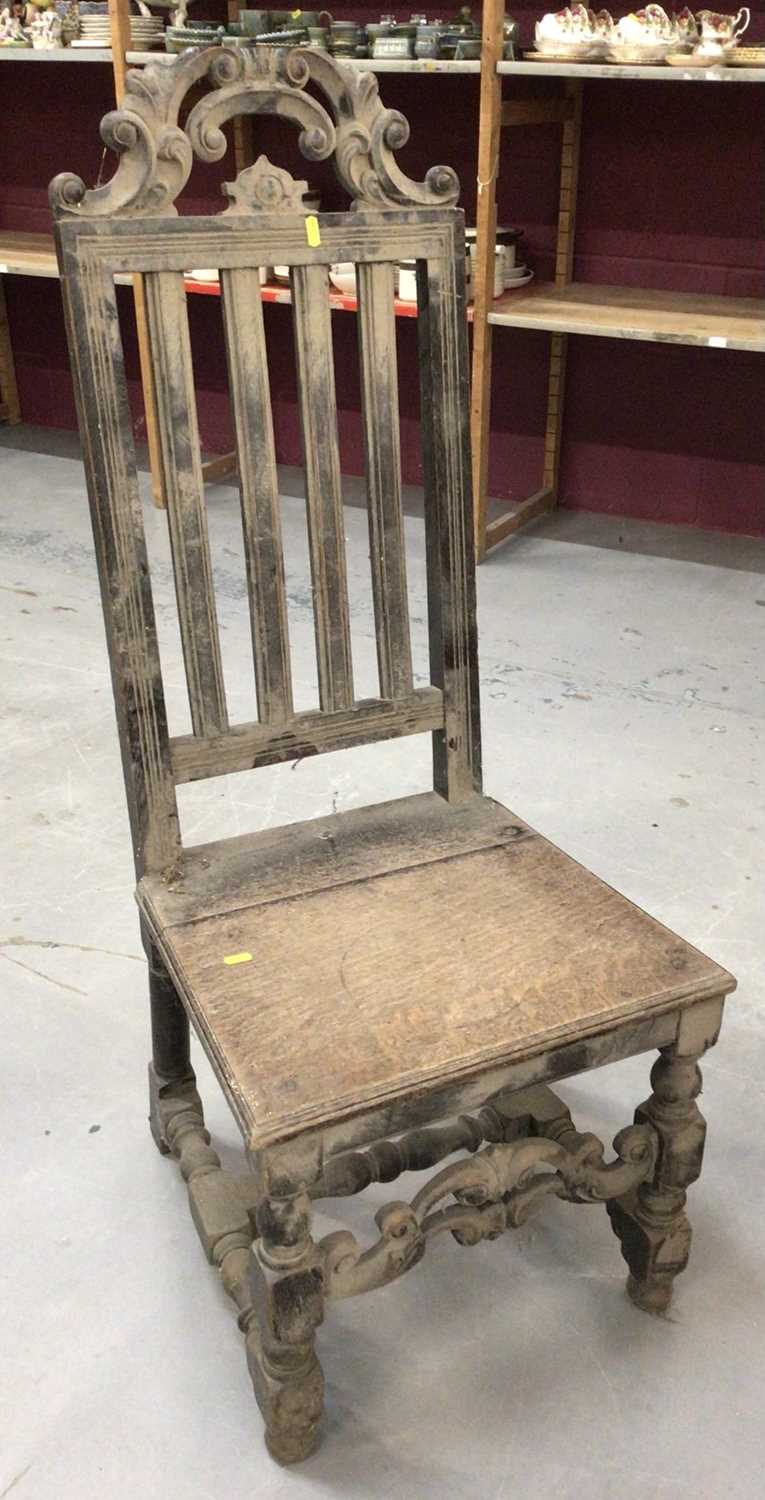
131,225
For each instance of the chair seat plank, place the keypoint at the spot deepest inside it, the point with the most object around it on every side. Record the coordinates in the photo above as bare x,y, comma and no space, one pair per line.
184,488
326,533
379,385
261,521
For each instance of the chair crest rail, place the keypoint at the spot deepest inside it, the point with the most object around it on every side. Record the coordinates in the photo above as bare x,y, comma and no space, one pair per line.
156,153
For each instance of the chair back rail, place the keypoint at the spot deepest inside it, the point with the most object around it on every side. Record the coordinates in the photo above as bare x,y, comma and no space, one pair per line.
131,226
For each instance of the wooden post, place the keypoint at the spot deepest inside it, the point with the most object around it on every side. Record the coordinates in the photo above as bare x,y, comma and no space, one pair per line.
119,18
9,394
564,265
489,125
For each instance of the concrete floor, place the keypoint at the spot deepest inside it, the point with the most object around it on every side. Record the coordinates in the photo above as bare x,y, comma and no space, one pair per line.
623,706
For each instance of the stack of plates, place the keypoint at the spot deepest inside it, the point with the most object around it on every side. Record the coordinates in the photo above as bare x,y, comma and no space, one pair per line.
95,31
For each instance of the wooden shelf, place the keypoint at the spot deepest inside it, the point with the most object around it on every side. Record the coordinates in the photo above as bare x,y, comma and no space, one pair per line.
338,301
621,312
56,54
24,254
662,73
364,64
138,59
34,255
27,254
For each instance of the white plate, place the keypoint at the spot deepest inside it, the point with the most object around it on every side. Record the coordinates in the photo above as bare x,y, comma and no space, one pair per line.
519,281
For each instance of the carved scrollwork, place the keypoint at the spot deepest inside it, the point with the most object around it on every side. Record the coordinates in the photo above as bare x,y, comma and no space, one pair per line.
156,153
264,186
495,1190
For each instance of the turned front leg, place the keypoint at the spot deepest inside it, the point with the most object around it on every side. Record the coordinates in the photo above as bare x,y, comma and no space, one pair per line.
651,1222
171,1075
287,1284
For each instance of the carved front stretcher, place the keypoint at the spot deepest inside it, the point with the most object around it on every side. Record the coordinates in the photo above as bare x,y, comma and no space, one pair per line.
384,989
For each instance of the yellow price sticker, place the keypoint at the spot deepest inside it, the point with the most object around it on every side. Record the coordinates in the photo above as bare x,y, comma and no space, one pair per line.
238,958
312,231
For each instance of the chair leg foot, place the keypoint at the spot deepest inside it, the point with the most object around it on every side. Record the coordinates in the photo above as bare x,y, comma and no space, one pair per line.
650,1221
291,1402
287,1285
650,1296
168,1099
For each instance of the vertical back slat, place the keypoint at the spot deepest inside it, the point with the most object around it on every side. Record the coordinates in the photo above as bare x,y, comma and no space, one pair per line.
379,389
318,415
261,518
442,332
182,472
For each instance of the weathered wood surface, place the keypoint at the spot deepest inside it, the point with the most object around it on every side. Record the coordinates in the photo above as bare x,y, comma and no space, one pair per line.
184,489
348,977
344,1017
261,516
489,124
444,419
324,500
650,1220
247,746
103,410
382,443
625,312
10,410
278,863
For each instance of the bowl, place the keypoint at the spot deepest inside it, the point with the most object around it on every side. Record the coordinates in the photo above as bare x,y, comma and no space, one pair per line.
343,277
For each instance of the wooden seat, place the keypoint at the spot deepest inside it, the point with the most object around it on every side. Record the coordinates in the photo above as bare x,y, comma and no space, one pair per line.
385,989
333,1011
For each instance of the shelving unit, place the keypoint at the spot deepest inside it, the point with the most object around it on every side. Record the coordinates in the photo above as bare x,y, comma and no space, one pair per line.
560,308
566,307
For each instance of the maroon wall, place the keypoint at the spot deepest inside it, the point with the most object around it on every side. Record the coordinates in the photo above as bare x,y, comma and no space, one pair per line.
671,196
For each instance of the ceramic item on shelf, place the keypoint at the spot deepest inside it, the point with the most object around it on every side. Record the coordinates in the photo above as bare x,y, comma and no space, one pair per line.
699,59
686,28
12,33
203,34
747,57
255,21
427,42
344,38
511,35
208,276
648,36
499,267
513,283
717,35
293,37
46,31
575,33
343,277
722,30
407,280
395,44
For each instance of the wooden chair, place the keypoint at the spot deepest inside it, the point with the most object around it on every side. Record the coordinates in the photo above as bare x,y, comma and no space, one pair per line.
366,1009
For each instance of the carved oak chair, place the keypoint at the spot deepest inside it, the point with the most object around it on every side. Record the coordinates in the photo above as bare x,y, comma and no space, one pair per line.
366,1010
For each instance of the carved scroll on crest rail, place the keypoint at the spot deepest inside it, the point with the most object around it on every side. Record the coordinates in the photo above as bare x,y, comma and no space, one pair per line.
349,124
